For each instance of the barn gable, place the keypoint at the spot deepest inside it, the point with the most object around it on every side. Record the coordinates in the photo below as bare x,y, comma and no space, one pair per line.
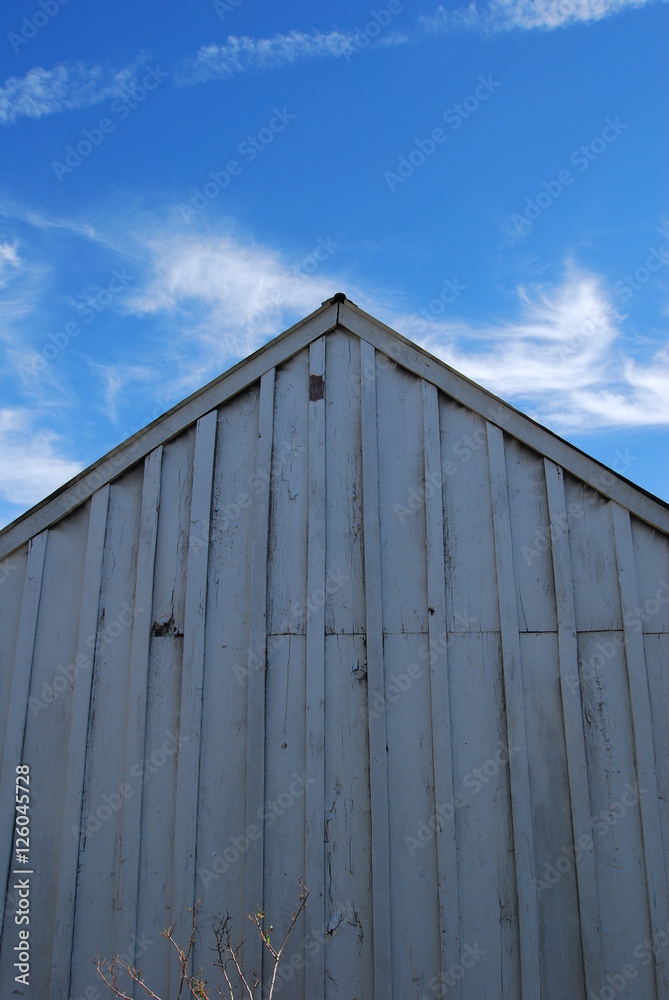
343,614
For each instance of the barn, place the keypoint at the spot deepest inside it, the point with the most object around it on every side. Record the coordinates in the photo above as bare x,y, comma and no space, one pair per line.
341,615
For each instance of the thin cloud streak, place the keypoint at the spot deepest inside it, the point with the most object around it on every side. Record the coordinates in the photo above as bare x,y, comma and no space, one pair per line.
31,462
512,15
241,54
563,360
73,86
66,87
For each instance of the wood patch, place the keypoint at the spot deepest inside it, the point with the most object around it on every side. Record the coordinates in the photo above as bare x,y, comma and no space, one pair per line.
316,387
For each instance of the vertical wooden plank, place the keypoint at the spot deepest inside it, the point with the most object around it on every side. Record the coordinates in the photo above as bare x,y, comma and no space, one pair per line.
572,713
346,932
190,715
99,845
18,702
637,679
481,812
257,664
131,824
515,713
447,874
315,705
76,752
14,569
375,678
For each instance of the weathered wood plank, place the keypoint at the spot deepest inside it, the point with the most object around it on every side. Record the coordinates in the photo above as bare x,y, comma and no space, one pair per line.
521,803
415,918
345,604
644,751
286,787
315,668
593,558
616,798
401,498
375,679
18,702
555,878
531,534
76,751
481,814
223,835
12,577
48,724
156,767
651,556
471,596
656,649
440,710
131,821
190,716
257,667
105,778
572,714
346,933
287,609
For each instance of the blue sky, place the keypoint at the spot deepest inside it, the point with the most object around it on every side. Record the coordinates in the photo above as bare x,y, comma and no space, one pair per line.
179,183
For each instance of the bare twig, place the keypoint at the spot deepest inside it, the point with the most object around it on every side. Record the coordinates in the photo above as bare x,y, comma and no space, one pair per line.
227,955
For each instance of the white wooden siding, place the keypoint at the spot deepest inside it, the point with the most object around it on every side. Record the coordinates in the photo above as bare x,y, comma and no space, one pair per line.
367,636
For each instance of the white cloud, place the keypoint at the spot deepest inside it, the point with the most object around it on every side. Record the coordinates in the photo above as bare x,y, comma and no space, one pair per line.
563,359
223,298
31,462
507,15
237,55
9,262
66,87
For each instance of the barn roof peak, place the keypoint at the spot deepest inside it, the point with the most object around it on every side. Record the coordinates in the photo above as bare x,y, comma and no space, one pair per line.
336,313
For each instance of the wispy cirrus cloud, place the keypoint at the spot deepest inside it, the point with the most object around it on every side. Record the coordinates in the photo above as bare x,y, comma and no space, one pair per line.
32,463
66,87
72,86
511,15
224,297
241,54
564,360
